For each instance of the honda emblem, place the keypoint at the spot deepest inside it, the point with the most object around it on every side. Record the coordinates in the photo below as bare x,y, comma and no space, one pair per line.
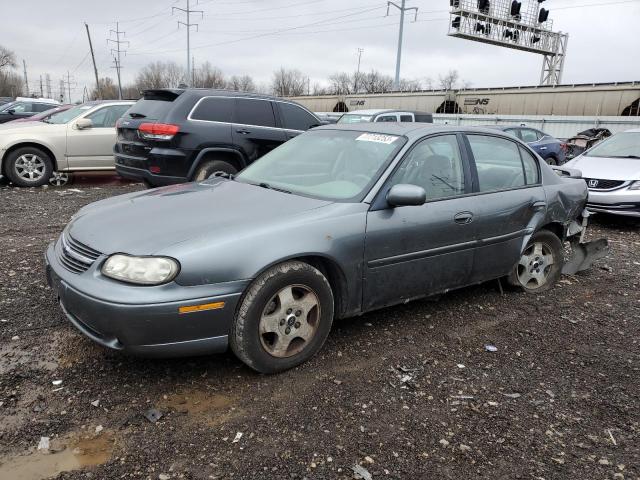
593,183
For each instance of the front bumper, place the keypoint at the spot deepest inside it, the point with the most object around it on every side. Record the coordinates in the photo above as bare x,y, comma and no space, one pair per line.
621,201
151,327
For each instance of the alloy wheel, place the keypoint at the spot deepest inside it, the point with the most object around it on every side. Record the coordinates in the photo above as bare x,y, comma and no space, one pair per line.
535,265
289,321
58,179
30,166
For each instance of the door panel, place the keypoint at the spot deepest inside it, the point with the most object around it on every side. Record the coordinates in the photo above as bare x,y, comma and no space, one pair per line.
416,251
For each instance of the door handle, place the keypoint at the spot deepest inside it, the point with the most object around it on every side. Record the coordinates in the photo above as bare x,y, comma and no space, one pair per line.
463,218
538,205
543,148
243,131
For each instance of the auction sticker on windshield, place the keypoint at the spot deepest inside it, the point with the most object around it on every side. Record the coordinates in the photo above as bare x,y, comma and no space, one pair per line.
377,137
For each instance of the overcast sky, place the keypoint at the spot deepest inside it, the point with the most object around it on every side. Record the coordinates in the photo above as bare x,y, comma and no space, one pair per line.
255,37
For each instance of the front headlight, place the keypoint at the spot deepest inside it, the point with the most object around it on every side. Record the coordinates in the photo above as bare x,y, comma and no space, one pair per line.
635,185
141,270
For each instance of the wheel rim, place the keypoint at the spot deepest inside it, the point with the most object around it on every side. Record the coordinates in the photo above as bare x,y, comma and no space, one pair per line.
535,265
289,321
59,179
30,167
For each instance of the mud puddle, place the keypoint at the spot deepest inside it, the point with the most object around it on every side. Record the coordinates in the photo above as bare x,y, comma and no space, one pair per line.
214,408
67,455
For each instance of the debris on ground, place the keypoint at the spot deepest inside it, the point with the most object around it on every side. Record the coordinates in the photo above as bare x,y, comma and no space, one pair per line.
359,472
43,444
153,415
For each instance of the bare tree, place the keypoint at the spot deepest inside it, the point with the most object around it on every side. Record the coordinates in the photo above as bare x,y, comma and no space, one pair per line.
108,89
243,83
376,82
208,76
449,81
288,83
318,89
11,84
7,58
407,85
160,75
341,83
428,83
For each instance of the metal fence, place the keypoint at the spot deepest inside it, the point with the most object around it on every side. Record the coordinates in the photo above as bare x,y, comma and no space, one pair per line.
558,126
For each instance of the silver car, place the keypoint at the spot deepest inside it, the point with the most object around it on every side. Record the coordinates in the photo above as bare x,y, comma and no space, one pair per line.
612,172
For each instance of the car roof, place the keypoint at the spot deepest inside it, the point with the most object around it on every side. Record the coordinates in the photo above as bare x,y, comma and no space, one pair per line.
378,111
409,129
100,102
632,130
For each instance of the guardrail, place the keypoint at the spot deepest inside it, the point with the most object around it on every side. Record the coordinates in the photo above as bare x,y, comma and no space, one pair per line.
558,126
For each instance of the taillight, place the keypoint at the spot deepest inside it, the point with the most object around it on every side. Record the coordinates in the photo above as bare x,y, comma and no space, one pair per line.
563,146
157,131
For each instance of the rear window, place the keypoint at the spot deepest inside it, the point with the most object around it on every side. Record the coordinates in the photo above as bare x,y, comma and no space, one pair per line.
153,106
214,109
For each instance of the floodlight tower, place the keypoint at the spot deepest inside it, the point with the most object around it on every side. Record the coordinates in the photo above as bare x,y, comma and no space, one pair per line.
506,23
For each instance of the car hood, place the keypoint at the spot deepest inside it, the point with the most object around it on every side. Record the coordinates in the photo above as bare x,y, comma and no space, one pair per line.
10,128
606,168
144,223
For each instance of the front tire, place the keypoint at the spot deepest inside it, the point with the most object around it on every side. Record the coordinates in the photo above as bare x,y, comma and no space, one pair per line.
284,318
210,168
29,167
540,265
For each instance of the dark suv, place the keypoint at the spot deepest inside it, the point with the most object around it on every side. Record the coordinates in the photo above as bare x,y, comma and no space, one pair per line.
179,135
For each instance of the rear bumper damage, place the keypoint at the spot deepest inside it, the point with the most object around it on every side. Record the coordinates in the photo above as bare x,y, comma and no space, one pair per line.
583,254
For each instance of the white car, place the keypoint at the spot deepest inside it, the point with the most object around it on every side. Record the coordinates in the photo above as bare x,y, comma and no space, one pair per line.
81,138
612,171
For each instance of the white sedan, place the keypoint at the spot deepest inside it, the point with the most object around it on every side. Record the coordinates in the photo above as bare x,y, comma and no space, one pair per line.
612,172
80,138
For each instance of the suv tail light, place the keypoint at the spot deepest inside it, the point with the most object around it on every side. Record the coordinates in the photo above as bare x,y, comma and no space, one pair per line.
157,131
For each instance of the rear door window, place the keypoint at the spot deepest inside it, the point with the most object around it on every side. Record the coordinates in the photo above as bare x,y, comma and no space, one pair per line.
387,118
296,118
406,118
528,135
254,112
498,163
530,164
43,107
214,109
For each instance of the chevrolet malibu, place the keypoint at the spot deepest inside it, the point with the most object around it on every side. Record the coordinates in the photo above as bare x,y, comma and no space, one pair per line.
337,222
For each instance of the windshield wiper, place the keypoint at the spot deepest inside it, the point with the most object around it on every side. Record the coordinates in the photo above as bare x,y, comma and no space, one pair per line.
266,185
137,115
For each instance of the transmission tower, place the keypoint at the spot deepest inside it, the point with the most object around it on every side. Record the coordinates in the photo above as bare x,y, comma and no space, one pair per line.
116,52
402,9
47,79
188,11
69,83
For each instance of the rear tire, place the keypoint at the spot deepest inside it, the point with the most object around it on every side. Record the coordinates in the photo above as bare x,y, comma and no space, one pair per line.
209,168
29,167
540,266
551,160
284,318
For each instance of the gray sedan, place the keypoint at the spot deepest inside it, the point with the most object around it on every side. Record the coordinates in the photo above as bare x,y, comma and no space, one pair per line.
339,221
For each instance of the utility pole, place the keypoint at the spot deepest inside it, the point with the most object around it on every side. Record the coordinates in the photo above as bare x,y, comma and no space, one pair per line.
62,90
68,84
193,70
188,24
118,51
355,86
402,9
41,90
47,79
26,80
93,58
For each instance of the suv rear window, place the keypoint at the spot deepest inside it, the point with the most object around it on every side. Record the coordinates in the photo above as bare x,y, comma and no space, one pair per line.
214,109
254,112
153,106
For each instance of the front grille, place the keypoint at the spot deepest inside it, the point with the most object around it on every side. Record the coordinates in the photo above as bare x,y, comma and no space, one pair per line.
76,257
601,184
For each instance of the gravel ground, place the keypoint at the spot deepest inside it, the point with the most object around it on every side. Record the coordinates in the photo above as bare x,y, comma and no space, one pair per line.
404,393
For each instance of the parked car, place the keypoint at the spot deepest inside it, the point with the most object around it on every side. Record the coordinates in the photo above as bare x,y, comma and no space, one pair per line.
339,221
585,140
612,171
44,115
178,135
23,108
5,100
80,138
328,117
549,148
382,115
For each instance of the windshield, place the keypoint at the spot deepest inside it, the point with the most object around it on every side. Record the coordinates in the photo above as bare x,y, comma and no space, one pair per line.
68,115
354,118
326,164
622,145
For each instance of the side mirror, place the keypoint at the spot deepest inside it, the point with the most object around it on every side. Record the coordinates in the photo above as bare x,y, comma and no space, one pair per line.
11,112
84,123
403,194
